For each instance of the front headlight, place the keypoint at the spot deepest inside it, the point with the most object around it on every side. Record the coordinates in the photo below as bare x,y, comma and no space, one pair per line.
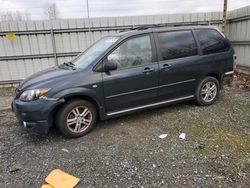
33,94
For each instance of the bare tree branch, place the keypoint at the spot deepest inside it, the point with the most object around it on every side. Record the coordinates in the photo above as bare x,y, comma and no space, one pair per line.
51,11
15,16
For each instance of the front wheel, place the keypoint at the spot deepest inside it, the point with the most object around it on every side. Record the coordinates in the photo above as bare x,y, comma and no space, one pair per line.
76,118
207,91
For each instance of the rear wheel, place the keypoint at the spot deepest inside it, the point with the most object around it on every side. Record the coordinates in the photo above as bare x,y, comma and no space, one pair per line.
76,118
207,91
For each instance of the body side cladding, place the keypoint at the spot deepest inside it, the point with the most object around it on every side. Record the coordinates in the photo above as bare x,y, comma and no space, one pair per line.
148,106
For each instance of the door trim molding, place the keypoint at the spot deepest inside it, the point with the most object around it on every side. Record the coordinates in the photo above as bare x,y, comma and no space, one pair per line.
149,105
131,92
175,83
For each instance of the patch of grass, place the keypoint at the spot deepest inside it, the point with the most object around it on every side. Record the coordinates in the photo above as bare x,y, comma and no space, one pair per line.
227,149
219,138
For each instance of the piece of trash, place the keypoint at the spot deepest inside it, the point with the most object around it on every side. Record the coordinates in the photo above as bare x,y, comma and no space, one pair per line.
182,136
163,136
14,170
59,179
201,146
219,178
46,186
65,150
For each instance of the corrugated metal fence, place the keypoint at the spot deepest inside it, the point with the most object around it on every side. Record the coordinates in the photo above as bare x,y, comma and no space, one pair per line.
239,34
42,44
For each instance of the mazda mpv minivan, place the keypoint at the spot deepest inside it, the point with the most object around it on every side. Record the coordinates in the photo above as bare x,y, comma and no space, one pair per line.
124,73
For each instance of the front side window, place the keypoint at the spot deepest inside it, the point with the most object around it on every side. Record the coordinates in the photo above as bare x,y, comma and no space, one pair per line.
211,41
134,52
177,44
91,54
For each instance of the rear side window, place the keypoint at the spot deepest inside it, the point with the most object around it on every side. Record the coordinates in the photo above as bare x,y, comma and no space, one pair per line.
177,44
211,41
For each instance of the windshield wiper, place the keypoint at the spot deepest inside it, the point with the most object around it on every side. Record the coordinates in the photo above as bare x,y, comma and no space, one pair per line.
69,64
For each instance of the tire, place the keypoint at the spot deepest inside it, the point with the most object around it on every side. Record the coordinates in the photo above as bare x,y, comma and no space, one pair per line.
207,91
76,118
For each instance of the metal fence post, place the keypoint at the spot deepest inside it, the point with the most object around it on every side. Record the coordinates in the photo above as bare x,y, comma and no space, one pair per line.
224,23
54,46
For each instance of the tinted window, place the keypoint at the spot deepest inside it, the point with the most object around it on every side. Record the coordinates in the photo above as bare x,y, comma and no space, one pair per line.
134,52
211,41
177,44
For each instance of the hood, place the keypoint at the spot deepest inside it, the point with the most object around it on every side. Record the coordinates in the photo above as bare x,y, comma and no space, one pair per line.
44,78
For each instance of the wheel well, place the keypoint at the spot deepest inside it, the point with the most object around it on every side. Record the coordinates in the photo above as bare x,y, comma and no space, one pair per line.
54,112
217,76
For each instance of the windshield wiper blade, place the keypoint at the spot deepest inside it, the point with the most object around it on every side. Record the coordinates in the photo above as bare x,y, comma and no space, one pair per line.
69,64
72,64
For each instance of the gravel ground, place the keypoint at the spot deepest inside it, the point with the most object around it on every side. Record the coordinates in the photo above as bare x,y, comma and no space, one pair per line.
6,96
5,103
127,151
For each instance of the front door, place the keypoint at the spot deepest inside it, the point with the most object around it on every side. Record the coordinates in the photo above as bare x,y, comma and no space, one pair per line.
135,81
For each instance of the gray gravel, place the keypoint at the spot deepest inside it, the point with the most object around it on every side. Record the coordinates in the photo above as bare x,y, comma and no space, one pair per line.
127,152
6,96
5,103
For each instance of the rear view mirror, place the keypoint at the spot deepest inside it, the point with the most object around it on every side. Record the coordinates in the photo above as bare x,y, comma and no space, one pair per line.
109,66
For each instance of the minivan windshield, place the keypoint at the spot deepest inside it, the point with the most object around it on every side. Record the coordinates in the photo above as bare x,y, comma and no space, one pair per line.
91,54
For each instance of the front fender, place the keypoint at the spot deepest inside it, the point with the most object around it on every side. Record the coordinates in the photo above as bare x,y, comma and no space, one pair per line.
97,97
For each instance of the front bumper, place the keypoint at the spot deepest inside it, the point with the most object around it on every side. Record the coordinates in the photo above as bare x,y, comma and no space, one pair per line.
35,116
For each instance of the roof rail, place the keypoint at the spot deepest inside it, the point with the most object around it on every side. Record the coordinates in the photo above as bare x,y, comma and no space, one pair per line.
148,26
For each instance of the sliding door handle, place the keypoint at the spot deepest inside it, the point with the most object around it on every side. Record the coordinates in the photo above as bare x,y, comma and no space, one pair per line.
148,70
166,67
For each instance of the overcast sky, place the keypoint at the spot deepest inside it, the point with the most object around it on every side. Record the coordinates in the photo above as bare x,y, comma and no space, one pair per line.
101,8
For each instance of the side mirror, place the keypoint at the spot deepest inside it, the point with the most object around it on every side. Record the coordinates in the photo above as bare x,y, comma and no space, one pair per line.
109,66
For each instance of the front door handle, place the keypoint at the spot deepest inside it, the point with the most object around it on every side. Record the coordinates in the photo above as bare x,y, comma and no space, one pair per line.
166,67
148,70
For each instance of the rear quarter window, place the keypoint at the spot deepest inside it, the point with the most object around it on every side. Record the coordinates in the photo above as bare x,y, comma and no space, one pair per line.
177,44
211,41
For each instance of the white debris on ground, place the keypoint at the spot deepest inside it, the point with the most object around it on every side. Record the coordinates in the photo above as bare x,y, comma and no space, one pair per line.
163,136
182,136
65,150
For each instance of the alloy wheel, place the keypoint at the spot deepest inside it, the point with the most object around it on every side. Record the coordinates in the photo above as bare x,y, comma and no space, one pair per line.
209,91
79,119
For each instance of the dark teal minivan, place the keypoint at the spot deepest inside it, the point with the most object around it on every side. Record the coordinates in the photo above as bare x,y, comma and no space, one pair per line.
124,73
